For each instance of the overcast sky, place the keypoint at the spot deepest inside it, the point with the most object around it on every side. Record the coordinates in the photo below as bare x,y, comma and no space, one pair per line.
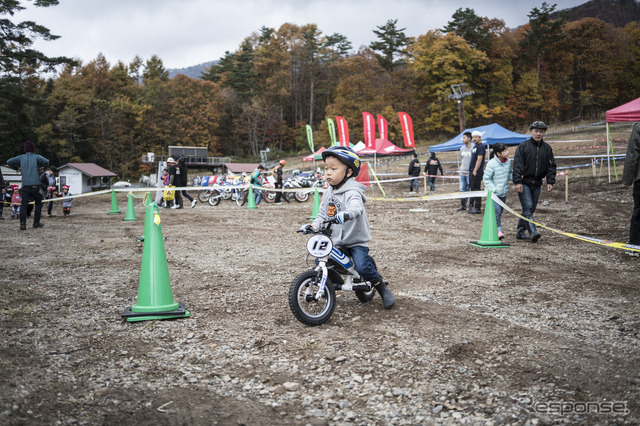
189,32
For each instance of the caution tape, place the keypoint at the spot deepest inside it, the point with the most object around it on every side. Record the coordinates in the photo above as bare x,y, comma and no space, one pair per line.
435,197
598,241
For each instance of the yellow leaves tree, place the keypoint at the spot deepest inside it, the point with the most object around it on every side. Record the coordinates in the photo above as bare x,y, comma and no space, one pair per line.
440,61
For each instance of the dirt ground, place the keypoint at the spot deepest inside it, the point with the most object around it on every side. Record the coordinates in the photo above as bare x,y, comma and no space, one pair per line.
540,333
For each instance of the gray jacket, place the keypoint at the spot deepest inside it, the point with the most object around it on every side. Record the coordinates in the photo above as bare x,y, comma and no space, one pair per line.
29,164
632,161
349,198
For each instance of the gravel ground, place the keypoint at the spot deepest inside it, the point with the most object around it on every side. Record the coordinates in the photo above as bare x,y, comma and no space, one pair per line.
525,335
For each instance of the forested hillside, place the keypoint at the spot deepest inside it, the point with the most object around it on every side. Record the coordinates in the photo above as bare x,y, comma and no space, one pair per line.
280,79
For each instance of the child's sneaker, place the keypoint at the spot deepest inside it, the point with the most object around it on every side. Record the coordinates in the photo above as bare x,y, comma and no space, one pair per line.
632,253
500,235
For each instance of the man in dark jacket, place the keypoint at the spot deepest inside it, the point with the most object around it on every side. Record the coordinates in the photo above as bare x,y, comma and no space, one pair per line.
184,180
532,162
29,164
414,171
175,179
631,176
431,168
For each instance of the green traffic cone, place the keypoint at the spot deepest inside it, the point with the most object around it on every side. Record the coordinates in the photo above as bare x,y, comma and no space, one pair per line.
316,204
489,234
114,203
251,200
131,213
155,298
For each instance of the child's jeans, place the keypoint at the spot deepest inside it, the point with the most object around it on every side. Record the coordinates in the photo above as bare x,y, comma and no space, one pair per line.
364,264
499,209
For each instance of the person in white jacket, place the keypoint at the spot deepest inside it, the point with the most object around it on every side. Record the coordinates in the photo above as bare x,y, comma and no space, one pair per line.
496,179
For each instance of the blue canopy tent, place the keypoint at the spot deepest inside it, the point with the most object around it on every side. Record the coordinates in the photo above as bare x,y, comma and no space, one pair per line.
491,134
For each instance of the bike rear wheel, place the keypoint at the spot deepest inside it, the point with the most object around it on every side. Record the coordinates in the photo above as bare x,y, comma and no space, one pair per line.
302,300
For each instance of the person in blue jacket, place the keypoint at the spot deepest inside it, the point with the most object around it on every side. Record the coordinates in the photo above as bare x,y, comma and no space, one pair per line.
29,164
496,179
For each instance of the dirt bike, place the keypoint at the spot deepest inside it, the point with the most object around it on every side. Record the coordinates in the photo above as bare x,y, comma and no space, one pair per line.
237,194
270,196
312,294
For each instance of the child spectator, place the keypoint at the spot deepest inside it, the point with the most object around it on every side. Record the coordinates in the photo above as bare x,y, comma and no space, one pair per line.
344,200
16,200
66,203
496,179
167,195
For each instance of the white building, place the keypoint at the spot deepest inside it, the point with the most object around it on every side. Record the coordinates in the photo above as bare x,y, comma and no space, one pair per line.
84,177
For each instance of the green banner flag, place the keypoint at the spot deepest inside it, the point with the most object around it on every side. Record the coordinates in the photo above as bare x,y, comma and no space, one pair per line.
332,131
310,137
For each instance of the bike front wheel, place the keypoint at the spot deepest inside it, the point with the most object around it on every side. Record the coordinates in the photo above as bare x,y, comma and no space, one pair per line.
203,196
303,303
302,196
214,198
269,196
240,198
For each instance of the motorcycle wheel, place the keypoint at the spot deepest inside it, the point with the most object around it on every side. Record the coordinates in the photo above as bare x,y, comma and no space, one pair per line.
269,196
214,198
302,196
240,198
203,196
302,302
367,296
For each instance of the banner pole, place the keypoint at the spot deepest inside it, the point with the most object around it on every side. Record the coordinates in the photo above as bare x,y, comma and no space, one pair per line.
566,187
378,182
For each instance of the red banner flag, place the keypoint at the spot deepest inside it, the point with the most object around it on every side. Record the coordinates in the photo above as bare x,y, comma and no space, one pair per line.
343,131
369,130
407,129
382,127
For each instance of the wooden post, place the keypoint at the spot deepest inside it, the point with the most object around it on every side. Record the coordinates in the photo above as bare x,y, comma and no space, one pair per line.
593,167
425,183
566,187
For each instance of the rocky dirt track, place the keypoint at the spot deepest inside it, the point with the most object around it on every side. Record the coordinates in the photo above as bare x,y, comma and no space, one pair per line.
525,335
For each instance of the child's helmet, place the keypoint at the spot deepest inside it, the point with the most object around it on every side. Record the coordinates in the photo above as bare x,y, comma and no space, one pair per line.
283,162
65,187
296,172
346,155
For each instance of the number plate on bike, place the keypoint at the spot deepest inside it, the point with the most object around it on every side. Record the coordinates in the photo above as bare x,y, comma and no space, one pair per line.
319,246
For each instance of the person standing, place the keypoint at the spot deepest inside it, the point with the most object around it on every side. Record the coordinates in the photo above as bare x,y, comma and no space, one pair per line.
29,163
631,176
48,184
184,180
277,171
431,168
532,162
175,180
476,170
255,180
2,194
496,179
465,159
414,172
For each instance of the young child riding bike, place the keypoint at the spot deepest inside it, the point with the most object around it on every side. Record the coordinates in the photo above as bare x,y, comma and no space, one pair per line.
344,201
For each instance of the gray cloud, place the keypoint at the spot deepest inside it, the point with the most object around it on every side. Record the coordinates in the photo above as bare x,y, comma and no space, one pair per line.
189,32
